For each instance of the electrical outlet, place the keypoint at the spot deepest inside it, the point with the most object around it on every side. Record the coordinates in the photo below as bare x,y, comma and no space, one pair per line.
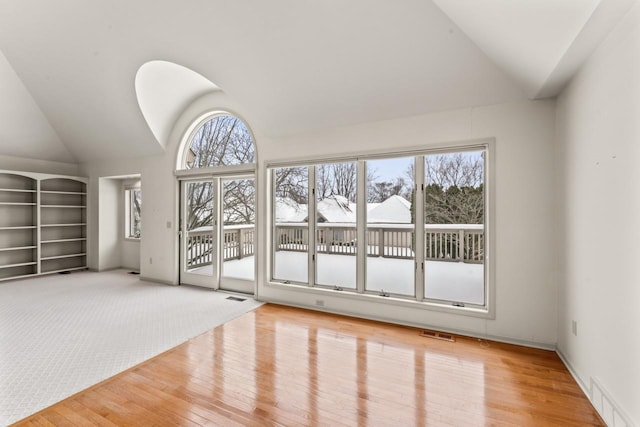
320,303
574,327
150,260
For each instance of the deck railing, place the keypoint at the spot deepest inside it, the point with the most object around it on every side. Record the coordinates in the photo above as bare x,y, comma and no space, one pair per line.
237,243
456,242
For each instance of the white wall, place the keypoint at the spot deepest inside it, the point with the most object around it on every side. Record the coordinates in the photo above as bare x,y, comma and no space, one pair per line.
111,249
525,274
526,246
159,244
159,194
599,149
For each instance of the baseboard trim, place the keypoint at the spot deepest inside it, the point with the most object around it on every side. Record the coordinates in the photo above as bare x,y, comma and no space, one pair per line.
586,390
541,346
152,280
599,397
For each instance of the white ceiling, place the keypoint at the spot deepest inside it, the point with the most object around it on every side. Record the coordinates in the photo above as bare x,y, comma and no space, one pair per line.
292,65
533,40
24,129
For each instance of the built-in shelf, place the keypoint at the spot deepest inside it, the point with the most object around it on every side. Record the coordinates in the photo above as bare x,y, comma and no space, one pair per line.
63,206
78,239
62,256
64,225
17,248
54,237
14,190
77,193
16,204
18,264
19,227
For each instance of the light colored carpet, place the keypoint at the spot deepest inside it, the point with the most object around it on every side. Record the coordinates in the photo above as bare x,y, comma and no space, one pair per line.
60,334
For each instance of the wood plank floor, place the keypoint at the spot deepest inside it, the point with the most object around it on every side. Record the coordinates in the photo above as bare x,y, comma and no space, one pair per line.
286,366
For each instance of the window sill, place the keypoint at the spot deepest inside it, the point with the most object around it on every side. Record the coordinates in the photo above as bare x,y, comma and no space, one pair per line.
132,239
480,312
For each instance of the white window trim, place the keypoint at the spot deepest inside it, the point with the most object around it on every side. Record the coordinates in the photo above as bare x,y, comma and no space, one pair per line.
128,191
190,132
487,311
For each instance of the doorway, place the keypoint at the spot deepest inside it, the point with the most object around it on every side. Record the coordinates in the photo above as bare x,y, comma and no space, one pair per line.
217,237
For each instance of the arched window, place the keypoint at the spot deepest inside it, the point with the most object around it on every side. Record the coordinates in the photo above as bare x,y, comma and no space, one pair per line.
223,140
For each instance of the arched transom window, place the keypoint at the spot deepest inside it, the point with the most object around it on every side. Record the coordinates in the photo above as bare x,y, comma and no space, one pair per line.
223,140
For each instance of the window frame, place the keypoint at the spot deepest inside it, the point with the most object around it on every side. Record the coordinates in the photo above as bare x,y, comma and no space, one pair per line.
129,214
184,149
216,173
485,311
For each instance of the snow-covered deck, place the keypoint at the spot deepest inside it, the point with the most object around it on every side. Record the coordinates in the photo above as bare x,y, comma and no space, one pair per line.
445,280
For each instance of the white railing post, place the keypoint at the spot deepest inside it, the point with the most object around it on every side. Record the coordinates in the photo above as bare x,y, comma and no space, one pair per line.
461,250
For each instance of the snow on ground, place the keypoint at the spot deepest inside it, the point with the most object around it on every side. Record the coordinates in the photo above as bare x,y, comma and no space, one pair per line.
235,268
239,268
449,281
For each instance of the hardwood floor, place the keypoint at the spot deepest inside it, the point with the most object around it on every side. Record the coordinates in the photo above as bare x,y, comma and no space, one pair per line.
286,366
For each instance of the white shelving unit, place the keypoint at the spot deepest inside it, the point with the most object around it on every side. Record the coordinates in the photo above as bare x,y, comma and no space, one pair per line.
43,224
18,225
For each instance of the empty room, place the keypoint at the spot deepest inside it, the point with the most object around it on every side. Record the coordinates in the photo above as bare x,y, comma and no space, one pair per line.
335,213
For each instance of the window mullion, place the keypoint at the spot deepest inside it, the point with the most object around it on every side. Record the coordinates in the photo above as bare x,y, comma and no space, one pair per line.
132,214
419,239
361,227
312,217
271,182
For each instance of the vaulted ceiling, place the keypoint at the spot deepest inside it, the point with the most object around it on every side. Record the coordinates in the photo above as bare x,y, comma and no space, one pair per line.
68,67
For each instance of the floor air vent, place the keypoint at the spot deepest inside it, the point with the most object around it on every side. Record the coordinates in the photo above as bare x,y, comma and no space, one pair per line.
236,299
437,335
133,272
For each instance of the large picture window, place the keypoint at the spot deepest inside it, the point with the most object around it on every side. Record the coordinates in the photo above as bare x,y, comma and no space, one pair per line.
420,234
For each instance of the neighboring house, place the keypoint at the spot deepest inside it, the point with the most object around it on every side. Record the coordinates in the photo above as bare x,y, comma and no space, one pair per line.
288,210
395,210
337,209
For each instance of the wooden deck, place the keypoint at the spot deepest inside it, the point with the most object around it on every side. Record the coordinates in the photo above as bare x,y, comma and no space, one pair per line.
286,366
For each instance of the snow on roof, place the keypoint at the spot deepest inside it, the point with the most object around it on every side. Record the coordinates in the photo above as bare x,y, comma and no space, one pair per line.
337,209
395,209
288,210
371,206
